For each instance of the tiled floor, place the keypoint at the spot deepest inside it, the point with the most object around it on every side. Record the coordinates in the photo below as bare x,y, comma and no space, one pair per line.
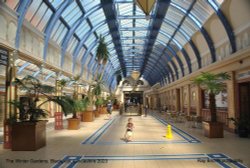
99,144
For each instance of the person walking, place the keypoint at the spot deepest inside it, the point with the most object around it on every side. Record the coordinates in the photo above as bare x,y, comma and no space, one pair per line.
109,109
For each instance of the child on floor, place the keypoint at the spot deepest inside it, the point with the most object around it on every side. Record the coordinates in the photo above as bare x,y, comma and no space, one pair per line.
129,130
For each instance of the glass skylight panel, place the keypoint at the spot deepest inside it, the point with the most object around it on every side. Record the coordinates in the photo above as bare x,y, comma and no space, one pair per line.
34,6
13,4
125,8
72,13
162,38
82,29
167,28
39,14
183,3
108,38
127,41
44,20
157,51
55,27
202,10
180,38
71,43
81,53
56,3
89,4
141,33
97,17
127,33
61,37
140,24
90,40
177,44
174,15
139,41
126,23
103,29
58,32
189,26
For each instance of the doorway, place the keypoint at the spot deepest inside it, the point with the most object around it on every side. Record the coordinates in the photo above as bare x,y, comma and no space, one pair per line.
244,99
133,103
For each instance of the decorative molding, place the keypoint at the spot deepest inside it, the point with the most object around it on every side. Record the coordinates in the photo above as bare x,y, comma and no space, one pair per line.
239,55
6,9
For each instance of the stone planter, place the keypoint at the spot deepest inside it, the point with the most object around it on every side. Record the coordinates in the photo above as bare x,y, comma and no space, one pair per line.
28,136
213,130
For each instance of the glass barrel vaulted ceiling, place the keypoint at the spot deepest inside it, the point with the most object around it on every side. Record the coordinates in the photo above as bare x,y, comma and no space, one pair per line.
134,43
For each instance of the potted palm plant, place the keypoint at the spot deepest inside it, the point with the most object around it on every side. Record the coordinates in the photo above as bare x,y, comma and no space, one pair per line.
98,103
73,106
28,128
213,84
242,125
102,53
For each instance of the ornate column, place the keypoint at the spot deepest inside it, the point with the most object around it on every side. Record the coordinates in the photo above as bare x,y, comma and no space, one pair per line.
177,100
181,100
11,94
58,111
231,98
188,99
198,100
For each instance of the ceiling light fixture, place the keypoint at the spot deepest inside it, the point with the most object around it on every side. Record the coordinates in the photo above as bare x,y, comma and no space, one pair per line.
146,6
135,74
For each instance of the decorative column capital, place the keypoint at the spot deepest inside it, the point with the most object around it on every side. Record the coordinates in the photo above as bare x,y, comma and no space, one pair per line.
13,56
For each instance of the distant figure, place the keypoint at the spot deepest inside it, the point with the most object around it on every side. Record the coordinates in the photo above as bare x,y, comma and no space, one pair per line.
129,130
126,106
109,109
146,110
121,108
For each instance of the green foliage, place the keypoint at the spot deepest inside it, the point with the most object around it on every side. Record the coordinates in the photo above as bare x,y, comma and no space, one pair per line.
33,89
62,83
32,86
72,106
97,87
242,122
112,98
99,101
102,53
213,83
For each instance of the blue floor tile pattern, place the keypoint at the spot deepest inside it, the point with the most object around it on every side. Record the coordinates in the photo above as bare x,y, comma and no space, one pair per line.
187,138
220,159
96,135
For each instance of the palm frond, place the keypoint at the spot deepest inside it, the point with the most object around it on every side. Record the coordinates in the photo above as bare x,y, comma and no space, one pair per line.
211,82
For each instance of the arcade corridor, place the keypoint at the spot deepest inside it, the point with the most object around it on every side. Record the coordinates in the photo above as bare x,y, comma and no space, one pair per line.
99,144
73,73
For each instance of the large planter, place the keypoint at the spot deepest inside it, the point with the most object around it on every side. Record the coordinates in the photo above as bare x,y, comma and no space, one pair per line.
97,112
88,116
28,136
242,132
213,130
73,123
104,110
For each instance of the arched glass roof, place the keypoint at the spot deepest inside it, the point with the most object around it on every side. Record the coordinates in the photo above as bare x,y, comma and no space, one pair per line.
134,42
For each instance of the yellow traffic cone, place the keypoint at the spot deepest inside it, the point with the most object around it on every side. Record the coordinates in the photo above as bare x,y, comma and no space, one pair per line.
169,132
